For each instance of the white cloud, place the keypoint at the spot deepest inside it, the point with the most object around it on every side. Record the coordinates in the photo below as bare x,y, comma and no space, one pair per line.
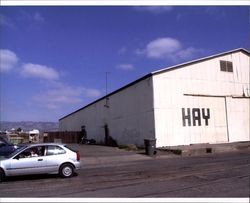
5,21
162,47
154,9
140,51
31,17
125,67
122,50
216,12
38,17
188,52
8,60
61,95
89,92
39,71
168,48
56,97
179,17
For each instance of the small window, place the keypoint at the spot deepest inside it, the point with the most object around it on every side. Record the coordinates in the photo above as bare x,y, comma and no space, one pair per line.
54,150
32,152
226,66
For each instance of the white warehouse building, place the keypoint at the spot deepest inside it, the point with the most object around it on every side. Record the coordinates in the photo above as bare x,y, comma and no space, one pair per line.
202,101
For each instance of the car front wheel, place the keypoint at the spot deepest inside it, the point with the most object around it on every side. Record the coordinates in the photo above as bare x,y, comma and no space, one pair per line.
66,171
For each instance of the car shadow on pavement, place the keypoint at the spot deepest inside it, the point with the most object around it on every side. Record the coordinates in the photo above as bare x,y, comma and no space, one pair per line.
30,177
33,177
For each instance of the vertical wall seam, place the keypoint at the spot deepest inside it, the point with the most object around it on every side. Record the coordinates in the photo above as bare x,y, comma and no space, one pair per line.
225,98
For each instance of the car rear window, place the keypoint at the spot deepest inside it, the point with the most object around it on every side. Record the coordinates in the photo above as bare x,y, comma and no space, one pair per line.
54,150
71,149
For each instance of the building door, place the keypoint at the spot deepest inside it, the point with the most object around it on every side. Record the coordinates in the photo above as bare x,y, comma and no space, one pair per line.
238,119
206,120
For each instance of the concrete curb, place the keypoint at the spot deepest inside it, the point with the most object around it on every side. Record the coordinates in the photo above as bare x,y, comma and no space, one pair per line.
201,149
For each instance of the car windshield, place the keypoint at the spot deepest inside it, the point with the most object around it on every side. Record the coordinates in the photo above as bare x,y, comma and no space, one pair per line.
15,152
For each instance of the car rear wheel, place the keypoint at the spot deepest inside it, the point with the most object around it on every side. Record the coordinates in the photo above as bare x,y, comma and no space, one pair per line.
66,171
2,175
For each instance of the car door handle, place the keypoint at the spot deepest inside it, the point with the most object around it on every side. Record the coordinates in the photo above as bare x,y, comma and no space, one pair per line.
40,160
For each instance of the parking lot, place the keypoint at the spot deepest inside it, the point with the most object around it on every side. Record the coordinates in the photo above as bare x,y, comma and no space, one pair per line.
112,172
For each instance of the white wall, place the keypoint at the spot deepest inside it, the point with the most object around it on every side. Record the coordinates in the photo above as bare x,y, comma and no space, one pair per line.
203,78
238,119
130,117
152,108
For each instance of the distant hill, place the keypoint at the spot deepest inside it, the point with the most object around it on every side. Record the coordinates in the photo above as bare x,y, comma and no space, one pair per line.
29,125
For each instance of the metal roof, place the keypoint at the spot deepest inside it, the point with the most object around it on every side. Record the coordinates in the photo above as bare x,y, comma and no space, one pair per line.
162,71
200,60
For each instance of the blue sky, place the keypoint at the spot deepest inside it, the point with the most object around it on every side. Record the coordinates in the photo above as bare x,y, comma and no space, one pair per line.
54,59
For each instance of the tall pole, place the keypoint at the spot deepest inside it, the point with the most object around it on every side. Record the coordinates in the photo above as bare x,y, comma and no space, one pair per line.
106,83
107,105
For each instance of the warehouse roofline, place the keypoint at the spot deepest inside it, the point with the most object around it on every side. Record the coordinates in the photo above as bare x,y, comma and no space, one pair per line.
200,60
161,71
108,95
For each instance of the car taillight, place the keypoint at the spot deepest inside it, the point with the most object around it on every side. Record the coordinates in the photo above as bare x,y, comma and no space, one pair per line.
77,156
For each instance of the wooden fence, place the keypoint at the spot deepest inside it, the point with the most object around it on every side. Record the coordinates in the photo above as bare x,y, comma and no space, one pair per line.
62,136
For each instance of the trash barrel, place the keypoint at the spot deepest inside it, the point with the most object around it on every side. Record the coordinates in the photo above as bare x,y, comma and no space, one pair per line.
150,146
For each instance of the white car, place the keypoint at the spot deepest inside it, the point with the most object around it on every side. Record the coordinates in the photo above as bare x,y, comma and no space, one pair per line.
44,158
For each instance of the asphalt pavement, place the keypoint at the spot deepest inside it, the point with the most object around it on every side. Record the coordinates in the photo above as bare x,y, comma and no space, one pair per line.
113,172
102,156
221,175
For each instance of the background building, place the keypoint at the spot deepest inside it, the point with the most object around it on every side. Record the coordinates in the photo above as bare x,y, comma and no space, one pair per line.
202,101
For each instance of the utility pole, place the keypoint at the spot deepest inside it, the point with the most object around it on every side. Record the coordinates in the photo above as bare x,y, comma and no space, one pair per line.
107,104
